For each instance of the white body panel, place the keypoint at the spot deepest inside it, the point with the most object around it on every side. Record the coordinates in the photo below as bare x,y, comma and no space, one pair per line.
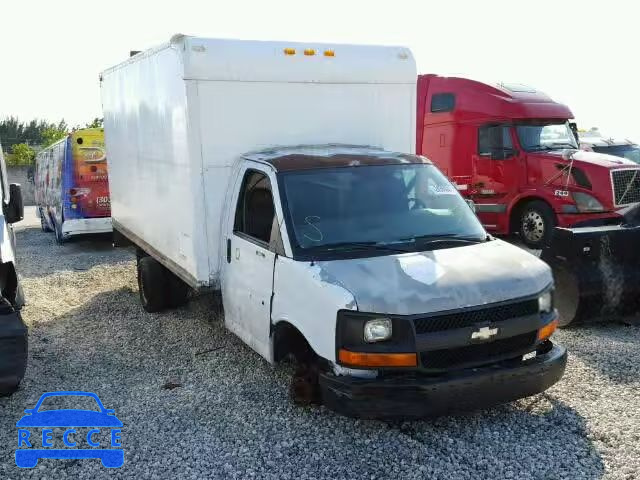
178,117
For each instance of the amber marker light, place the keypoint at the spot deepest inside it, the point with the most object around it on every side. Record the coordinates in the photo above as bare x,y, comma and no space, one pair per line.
289,51
329,53
309,52
546,331
360,359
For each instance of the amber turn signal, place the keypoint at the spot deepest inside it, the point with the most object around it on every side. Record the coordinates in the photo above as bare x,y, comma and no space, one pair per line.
360,359
546,331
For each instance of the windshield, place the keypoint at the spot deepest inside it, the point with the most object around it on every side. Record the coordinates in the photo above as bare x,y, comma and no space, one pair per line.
630,152
534,136
384,205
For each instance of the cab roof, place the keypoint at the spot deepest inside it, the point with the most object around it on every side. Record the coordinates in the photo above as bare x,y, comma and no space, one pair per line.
307,157
478,99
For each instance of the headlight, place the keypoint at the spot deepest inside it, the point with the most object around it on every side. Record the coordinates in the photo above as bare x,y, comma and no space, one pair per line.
545,302
377,330
586,202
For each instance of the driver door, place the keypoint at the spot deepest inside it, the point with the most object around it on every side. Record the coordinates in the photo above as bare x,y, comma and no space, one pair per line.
247,283
495,172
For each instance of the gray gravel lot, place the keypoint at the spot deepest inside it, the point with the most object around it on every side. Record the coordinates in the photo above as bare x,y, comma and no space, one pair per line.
231,418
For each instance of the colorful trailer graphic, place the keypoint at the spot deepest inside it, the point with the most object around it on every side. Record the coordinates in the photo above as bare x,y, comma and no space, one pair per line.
72,185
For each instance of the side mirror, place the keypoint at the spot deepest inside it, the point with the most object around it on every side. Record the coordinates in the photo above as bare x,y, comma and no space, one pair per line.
14,211
472,204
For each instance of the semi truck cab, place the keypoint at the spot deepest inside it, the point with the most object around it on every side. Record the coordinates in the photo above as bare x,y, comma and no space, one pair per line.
511,149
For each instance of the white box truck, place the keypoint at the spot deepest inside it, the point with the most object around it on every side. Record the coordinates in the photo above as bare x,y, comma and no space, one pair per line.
270,172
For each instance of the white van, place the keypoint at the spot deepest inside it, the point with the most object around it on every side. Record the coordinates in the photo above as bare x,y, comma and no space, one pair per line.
281,175
13,331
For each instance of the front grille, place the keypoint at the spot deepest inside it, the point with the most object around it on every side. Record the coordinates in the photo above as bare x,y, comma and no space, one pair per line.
479,353
626,186
468,318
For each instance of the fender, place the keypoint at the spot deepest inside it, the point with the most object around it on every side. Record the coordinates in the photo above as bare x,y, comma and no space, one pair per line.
303,297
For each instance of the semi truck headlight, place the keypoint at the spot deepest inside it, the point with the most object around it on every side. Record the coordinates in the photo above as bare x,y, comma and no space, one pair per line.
377,330
587,203
545,302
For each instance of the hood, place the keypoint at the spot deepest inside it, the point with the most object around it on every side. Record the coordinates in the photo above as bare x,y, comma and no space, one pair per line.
439,280
600,159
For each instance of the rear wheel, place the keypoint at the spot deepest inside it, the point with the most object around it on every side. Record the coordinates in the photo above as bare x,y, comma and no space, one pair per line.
43,223
536,223
177,290
60,238
151,284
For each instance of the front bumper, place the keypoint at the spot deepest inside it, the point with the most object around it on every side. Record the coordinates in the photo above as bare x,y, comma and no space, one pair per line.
13,351
568,220
414,395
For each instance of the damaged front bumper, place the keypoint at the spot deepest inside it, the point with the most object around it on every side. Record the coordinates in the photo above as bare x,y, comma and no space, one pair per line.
13,351
414,395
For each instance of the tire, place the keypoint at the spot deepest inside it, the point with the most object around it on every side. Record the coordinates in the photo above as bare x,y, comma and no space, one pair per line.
152,285
536,221
60,238
13,358
43,223
177,290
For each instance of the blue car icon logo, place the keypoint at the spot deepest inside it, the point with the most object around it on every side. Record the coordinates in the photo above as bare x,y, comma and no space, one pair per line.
95,428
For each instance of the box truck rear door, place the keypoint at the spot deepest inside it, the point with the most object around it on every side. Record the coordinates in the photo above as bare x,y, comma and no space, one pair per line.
247,283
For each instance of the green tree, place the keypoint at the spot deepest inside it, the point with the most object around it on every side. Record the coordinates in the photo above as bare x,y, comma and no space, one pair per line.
53,133
22,154
96,123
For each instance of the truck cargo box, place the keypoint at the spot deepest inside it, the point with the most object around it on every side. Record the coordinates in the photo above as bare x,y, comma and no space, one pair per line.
177,117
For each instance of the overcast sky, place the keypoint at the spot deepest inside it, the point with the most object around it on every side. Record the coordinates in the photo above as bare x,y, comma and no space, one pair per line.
583,55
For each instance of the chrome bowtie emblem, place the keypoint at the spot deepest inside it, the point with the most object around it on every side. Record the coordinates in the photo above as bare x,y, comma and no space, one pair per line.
484,333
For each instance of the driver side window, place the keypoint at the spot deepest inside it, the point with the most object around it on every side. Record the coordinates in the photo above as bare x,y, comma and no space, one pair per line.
494,141
255,210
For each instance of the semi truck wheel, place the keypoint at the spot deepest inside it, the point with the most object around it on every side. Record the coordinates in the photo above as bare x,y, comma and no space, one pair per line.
151,284
536,223
43,222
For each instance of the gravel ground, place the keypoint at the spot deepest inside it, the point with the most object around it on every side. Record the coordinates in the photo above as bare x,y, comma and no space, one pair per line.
230,417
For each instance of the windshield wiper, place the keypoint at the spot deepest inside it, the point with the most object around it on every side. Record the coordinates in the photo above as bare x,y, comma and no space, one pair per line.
361,246
451,238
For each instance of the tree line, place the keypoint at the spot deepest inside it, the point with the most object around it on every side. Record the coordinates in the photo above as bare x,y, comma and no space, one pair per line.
21,140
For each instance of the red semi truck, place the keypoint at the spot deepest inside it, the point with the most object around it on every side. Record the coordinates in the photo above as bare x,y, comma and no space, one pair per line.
510,149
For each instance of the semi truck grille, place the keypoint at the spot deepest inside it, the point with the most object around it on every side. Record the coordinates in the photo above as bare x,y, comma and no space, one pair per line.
478,354
468,318
626,186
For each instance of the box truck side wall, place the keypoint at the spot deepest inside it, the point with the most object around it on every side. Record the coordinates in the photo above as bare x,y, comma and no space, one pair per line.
155,175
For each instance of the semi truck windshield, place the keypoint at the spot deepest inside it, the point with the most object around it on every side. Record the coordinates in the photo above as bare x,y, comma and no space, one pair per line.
545,136
401,206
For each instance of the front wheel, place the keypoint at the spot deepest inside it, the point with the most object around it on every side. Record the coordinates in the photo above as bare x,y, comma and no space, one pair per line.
536,223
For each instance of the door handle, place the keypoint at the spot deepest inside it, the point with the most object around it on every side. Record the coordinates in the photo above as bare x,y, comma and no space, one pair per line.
260,254
228,250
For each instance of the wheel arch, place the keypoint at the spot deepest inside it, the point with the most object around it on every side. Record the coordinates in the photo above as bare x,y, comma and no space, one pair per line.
286,339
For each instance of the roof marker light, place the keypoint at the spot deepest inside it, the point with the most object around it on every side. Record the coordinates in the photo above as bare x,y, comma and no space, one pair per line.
289,51
309,52
329,53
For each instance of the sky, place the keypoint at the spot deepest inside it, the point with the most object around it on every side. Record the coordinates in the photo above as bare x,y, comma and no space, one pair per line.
580,53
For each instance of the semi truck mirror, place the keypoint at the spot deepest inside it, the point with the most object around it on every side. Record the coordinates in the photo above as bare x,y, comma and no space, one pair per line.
14,211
